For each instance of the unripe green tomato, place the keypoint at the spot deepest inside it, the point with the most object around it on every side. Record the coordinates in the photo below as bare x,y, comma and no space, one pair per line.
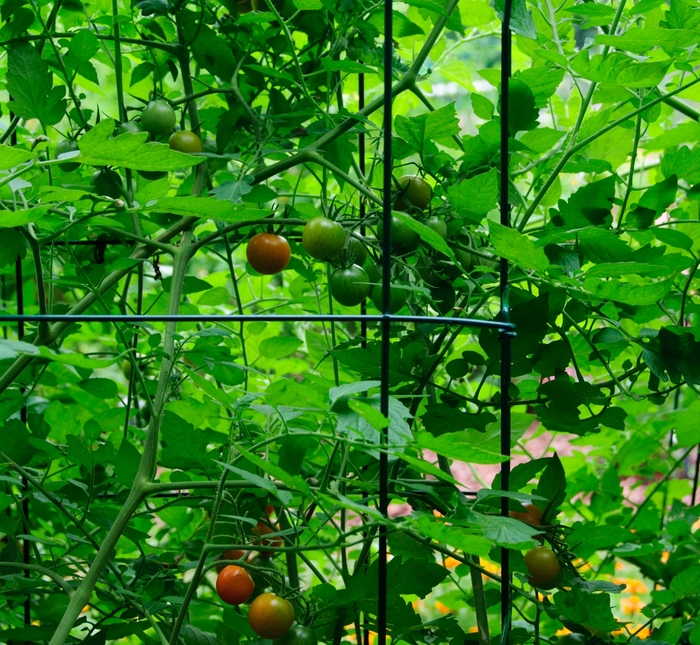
415,192
444,297
349,286
131,127
397,298
185,141
465,258
571,639
355,252
152,175
374,274
158,118
403,239
437,225
107,182
63,147
262,582
323,239
429,272
543,566
297,635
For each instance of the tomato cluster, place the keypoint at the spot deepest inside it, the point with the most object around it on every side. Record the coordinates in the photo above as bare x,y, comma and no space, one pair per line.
270,615
158,119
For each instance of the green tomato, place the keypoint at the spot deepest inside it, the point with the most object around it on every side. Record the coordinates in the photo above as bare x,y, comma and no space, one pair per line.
444,297
185,141
571,639
158,118
403,239
131,127
397,298
297,635
262,582
429,272
355,252
107,182
349,286
437,225
544,568
63,147
323,239
152,175
415,192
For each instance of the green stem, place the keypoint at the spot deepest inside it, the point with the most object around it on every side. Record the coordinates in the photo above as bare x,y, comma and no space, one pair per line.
59,580
39,274
82,595
633,160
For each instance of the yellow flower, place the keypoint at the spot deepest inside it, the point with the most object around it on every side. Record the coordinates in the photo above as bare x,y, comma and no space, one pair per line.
632,605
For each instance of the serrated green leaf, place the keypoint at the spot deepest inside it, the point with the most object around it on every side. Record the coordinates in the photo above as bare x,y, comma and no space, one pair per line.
517,248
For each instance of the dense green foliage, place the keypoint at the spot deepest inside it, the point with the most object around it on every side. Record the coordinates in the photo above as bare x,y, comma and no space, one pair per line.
132,454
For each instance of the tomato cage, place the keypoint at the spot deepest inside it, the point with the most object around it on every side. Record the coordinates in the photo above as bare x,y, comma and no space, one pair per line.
51,326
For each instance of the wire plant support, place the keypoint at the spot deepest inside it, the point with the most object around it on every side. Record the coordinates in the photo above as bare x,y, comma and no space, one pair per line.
385,319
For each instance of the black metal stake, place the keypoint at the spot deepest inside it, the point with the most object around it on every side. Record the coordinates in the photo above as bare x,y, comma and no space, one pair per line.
386,320
19,281
505,336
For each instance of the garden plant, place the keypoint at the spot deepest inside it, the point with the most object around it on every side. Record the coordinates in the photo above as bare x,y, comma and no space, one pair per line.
199,430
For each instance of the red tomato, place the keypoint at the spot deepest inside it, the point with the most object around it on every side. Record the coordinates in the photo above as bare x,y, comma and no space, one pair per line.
532,515
230,554
270,616
262,529
234,585
268,254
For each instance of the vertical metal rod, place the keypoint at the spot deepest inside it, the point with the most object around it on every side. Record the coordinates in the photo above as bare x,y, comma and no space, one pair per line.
386,323
505,315
363,304
695,477
19,281
363,206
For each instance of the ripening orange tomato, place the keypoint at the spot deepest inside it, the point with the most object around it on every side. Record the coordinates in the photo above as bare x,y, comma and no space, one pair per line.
234,585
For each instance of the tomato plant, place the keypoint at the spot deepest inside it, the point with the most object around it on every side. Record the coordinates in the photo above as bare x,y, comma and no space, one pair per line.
234,585
200,376
323,239
158,118
268,254
349,286
270,616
